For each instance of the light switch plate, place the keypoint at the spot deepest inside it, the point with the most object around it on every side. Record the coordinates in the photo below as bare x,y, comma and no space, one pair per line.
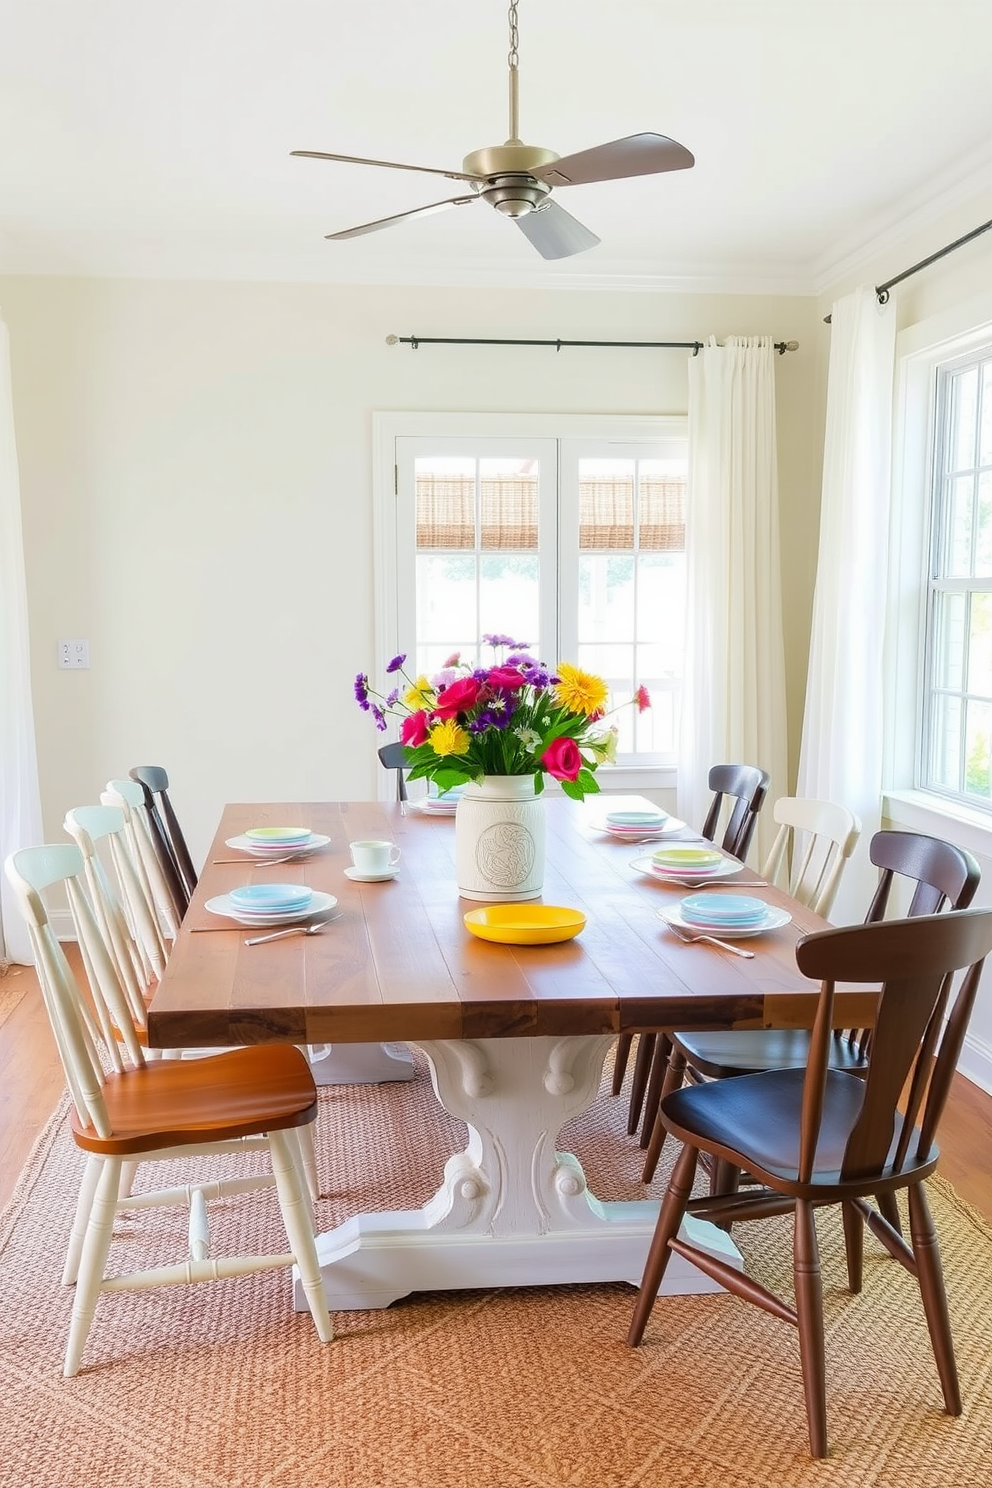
74,655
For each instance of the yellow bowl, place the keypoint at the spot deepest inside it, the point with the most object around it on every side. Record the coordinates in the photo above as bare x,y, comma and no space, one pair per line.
524,924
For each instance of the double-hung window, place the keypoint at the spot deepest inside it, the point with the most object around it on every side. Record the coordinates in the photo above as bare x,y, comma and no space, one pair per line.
567,533
957,682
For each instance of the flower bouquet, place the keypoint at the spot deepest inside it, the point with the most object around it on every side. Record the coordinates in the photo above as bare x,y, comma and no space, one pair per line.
515,717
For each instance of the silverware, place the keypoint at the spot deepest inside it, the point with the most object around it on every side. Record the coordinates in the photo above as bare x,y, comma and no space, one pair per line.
249,862
292,930
690,938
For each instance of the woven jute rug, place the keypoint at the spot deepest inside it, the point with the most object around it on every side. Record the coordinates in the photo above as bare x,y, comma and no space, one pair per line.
14,985
222,1385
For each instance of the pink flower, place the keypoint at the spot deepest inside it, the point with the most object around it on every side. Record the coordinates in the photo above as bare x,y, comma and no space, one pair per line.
452,660
505,678
413,729
643,699
458,698
562,759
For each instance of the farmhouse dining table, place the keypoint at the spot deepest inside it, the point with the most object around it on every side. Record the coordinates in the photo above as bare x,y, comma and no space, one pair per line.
515,1036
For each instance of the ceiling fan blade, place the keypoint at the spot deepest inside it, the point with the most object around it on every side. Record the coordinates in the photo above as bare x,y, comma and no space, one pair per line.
368,227
387,164
555,233
637,155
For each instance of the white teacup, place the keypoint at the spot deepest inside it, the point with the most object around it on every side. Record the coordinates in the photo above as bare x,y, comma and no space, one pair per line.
374,857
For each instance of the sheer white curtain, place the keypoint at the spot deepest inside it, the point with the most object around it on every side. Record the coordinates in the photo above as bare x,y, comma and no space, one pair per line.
733,708
20,801
842,745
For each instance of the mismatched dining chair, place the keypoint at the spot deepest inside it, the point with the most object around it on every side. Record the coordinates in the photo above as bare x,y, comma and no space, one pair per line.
393,756
170,844
746,786
941,874
126,1111
818,1135
129,797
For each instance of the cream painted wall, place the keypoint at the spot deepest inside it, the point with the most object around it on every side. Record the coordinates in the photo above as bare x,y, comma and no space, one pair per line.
196,488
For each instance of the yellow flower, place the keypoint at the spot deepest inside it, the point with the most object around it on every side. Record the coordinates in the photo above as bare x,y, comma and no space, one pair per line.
420,695
449,737
579,691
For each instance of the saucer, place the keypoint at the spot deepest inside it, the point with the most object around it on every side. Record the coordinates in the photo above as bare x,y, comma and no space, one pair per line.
357,877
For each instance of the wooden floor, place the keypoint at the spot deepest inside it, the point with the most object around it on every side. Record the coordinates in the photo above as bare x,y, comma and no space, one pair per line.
31,1083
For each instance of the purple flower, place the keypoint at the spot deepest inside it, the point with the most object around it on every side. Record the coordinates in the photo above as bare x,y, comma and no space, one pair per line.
396,663
362,691
505,640
378,715
393,698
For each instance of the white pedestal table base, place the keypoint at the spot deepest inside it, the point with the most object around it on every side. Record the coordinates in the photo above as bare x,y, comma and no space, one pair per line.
512,1210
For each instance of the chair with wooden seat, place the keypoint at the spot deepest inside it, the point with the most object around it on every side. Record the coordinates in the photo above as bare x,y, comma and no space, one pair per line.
393,756
816,1135
941,873
129,796
126,1111
170,844
742,789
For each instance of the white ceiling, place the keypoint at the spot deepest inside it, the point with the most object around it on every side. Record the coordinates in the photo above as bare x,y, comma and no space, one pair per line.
151,138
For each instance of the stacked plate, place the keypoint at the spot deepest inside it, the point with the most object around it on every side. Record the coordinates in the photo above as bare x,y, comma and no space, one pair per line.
635,825
688,863
270,904
442,805
277,842
731,916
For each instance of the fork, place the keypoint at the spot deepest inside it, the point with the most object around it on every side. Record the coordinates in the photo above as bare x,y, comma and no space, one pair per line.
690,938
292,930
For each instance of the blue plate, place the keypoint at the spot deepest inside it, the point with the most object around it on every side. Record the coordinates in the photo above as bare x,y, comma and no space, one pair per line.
271,896
723,909
636,818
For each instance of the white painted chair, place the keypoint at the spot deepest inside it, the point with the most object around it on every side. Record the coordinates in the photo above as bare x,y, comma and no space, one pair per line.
125,927
130,797
166,1111
814,843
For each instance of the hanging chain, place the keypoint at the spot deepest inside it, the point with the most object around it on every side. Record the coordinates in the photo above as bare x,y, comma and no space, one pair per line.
513,59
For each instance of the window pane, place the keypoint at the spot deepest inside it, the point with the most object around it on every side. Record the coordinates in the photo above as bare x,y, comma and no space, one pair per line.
983,540
445,496
978,773
446,599
508,504
980,646
661,606
985,435
964,413
661,514
949,640
959,517
606,598
508,598
945,742
606,504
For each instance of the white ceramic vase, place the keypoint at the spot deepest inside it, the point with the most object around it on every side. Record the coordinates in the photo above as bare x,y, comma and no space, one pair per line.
499,839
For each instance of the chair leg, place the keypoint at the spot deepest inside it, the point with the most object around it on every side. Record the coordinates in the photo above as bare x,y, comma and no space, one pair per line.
725,1178
669,1219
656,1081
854,1242
620,1061
93,1261
931,1278
84,1205
309,1159
809,1310
674,1076
299,1228
888,1208
642,1068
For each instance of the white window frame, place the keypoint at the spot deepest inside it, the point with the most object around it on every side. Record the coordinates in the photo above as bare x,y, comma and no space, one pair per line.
920,349
388,535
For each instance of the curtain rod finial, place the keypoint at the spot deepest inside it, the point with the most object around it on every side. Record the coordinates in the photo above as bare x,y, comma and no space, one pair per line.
392,340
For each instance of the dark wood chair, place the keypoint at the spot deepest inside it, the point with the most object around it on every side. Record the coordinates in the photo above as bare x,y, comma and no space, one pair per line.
747,787
818,1135
167,835
943,875
393,756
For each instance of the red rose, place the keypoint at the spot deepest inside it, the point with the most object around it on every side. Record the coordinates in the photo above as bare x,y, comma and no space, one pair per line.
562,759
457,698
505,679
413,729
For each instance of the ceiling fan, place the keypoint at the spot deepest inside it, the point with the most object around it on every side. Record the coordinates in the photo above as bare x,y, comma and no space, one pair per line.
517,179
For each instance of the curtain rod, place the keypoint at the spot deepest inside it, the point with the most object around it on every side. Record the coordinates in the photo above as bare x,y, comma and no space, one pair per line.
417,341
882,290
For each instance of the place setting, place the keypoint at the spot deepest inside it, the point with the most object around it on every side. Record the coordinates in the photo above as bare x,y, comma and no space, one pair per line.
638,825
445,803
728,916
687,865
270,905
275,844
